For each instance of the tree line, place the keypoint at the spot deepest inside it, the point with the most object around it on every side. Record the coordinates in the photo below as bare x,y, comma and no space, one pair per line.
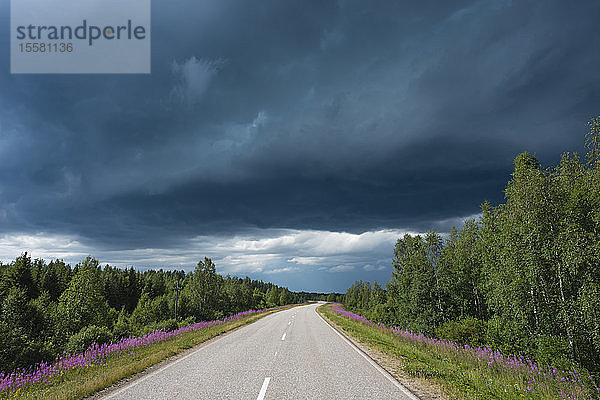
523,278
48,308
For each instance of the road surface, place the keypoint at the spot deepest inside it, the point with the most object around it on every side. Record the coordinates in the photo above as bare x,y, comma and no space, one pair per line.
291,354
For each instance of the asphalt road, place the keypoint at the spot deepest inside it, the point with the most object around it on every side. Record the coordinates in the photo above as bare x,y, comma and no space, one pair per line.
292,354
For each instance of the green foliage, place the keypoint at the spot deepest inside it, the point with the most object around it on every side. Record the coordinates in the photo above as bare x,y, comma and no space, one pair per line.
272,297
149,311
413,289
82,303
550,349
85,382
13,345
169,324
54,278
593,143
459,272
186,322
463,374
122,328
88,335
46,308
529,268
202,295
466,330
19,275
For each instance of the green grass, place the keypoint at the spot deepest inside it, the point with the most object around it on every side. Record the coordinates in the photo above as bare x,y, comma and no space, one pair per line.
82,382
457,375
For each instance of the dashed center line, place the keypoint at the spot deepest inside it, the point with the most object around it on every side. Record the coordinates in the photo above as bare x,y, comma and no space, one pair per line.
263,389
283,337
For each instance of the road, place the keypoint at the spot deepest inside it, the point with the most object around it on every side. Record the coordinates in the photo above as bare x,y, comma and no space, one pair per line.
291,354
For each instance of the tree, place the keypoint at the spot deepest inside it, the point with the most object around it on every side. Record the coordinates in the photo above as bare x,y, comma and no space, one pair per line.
459,274
272,297
284,297
21,340
133,291
592,142
201,296
412,289
82,303
18,275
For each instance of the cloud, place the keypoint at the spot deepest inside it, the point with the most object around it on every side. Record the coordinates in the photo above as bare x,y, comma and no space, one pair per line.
330,129
370,267
282,270
259,253
341,268
312,246
42,245
307,260
193,78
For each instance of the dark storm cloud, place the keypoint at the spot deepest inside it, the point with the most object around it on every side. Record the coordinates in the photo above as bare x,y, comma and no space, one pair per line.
347,116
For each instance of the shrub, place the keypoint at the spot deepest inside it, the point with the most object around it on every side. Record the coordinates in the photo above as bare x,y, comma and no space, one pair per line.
551,349
167,325
507,336
85,337
466,330
186,322
121,328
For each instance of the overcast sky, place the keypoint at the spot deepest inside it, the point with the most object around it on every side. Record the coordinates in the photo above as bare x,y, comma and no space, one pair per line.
292,141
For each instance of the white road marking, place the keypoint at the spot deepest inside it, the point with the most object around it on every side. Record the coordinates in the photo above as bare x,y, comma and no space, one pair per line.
151,374
142,378
373,363
263,389
283,337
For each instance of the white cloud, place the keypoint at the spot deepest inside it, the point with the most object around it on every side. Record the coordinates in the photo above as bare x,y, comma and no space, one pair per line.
319,243
255,252
341,268
307,260
280,270
42,245
194,76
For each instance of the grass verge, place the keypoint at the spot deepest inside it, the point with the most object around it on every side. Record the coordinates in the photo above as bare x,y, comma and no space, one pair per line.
86,380
462,372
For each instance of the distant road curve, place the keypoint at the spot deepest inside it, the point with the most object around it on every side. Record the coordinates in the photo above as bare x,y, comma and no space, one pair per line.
291,354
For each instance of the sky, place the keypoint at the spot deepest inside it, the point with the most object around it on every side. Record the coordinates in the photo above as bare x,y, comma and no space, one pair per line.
292,141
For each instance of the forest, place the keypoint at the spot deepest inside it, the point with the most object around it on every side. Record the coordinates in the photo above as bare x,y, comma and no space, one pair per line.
48,308
523,277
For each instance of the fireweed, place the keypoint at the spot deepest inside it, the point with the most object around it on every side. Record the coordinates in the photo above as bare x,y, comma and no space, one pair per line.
43,373
538,379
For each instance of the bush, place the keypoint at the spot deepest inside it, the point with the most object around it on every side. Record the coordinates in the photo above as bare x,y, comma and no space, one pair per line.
508,337
551,350
381,313
167,325
80,341
466,330
187,322
121,328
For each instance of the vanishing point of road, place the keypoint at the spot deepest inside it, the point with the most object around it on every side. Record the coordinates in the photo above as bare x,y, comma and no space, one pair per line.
291,354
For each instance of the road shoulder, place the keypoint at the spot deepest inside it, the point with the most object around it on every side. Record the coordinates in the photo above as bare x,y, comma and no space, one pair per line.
418,387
